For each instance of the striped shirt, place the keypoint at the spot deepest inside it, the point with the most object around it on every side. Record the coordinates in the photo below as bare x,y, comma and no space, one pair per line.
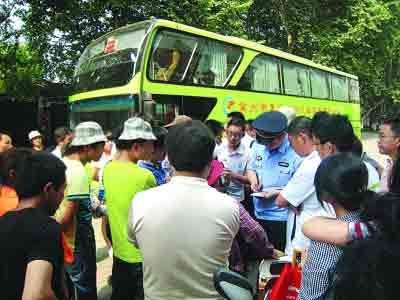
320,264
78,190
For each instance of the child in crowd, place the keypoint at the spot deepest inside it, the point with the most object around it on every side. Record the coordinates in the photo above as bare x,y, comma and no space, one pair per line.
158,155
341,180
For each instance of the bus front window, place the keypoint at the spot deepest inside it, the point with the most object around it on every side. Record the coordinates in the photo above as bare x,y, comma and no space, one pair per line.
110,61
109,113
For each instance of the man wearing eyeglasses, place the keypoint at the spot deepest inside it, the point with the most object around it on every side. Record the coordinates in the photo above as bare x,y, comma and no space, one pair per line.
389,144
272,164
235,156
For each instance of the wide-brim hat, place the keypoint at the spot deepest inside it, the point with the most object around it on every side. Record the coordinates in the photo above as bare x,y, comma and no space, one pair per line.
88,133
137,129
34,134
180,119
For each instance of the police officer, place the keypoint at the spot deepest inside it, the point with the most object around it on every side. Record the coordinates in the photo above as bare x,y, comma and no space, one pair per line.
272,164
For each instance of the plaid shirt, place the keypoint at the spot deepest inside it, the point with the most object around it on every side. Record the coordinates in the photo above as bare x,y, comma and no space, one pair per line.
320,265
250,243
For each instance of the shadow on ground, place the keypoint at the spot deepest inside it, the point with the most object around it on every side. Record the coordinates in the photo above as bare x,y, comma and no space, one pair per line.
101,254
105,292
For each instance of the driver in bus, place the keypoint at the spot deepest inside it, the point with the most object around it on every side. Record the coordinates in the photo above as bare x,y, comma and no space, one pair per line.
167,64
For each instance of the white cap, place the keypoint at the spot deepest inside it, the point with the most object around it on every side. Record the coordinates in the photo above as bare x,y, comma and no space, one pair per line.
88,133
136,128
34,134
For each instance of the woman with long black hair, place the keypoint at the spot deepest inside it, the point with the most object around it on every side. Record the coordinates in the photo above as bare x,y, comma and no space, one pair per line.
341,180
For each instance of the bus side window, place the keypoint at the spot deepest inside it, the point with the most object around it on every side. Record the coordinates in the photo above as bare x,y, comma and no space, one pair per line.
319,84
354,91
262,75
215,63
340,87
171,55
296,80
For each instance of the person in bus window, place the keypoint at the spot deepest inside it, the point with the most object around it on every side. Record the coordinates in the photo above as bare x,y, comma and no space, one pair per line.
167,64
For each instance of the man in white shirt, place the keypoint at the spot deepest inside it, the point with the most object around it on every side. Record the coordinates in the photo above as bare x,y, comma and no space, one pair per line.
184,228
250,134
373,175
389,144
336,135
235,156
63,136
299,194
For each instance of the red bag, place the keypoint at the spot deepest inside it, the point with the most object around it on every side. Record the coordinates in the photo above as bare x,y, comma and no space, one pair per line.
68,253
288,284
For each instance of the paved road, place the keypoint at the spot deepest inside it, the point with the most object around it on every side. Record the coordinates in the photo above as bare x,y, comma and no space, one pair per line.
104,264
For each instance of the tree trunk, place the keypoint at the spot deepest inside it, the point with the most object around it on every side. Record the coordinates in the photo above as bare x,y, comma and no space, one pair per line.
291,40
367,112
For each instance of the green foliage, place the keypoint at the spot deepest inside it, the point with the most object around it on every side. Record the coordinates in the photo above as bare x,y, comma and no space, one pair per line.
20,69
20,65
61,30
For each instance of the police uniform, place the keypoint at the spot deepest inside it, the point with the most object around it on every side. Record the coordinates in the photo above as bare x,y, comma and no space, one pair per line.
274,169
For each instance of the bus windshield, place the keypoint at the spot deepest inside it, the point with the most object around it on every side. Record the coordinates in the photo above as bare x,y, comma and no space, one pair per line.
110,61
108,112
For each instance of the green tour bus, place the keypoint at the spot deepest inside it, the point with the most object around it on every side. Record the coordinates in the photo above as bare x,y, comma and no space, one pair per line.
159,69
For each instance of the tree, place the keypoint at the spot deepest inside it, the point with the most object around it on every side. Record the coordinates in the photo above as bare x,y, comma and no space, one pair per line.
20,70
60,30
360,37
357,36
20,65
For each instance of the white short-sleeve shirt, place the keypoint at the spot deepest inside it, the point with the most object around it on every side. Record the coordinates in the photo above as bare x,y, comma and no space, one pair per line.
247,141
300,191
57,152
373,177
236,161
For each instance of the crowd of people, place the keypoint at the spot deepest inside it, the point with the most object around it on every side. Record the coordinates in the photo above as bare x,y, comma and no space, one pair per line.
180,201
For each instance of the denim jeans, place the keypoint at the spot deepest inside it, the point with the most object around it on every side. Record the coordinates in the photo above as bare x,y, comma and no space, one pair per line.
83,271
127,280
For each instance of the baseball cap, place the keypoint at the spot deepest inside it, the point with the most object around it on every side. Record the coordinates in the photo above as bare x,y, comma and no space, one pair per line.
34,134
136,128
87,133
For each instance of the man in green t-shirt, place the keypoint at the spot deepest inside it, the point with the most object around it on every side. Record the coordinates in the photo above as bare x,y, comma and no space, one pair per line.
122,180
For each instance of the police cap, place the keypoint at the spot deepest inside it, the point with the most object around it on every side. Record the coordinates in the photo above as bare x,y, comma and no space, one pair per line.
273,122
